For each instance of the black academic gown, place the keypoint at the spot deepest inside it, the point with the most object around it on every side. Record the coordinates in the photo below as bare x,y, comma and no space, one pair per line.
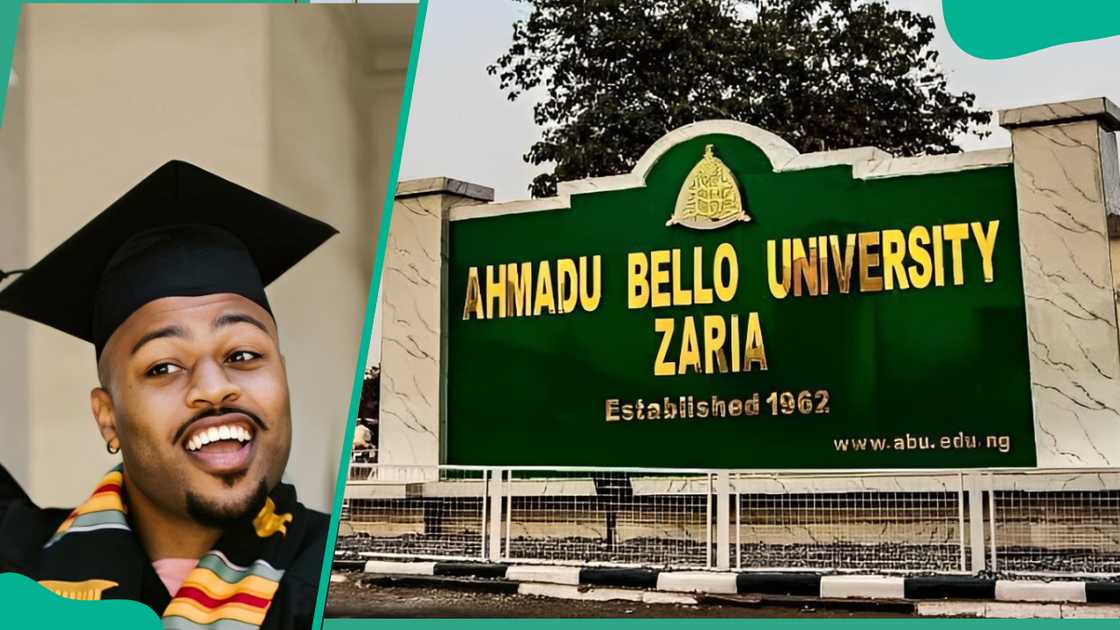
25,528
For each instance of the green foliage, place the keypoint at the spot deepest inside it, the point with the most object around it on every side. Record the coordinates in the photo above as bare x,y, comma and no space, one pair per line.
823,74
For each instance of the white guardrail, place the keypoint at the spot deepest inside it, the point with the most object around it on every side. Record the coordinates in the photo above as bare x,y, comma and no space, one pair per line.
1030,522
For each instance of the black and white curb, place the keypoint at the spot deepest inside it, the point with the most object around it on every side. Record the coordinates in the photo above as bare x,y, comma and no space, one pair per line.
536,580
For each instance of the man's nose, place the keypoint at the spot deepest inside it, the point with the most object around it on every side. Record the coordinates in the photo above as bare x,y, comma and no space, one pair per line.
211,386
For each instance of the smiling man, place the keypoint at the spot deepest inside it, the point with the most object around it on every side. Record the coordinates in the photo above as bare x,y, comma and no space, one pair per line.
168,285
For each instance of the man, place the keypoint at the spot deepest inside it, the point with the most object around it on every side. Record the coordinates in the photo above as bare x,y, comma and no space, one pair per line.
363,437
168,285
362,448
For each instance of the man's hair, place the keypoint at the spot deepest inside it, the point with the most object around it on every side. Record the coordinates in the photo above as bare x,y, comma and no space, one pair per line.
104,376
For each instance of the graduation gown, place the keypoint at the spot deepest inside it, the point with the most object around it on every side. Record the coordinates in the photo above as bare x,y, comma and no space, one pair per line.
262,572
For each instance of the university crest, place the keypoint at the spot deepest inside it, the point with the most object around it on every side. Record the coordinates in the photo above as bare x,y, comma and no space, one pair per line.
709,198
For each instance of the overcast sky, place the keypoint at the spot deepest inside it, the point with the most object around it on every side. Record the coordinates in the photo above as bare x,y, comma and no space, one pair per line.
462,126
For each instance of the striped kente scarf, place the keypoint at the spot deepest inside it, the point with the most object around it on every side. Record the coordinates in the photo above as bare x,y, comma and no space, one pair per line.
94,555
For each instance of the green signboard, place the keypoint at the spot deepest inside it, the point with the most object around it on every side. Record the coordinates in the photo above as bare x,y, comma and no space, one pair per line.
728,314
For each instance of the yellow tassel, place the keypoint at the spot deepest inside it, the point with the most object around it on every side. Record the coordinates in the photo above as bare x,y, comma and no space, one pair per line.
87,590
268,522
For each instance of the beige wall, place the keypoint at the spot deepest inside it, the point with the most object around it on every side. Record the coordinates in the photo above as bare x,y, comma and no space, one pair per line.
298,103
15,437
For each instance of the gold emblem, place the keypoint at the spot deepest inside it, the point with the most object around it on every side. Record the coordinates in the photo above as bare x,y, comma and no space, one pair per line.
86,590
268,522
709,198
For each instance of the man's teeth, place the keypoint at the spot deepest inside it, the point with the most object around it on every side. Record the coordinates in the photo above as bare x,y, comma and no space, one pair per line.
214,434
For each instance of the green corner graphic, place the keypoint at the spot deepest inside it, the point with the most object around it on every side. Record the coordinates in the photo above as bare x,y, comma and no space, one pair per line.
1000,29
9,24
29,605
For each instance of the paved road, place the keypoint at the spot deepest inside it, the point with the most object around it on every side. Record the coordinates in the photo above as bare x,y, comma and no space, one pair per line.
350,600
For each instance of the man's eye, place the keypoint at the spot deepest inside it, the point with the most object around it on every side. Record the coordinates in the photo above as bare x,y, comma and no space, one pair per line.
242,355
164,369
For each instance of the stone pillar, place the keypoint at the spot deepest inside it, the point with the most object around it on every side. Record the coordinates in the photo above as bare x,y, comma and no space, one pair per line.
1067,184
413,292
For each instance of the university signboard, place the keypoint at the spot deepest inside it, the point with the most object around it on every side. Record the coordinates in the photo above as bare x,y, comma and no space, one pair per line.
731,303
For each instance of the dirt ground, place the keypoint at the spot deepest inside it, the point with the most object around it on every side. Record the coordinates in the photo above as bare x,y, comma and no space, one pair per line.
349,600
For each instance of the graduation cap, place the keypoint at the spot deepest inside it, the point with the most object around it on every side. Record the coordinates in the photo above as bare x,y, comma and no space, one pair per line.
181,232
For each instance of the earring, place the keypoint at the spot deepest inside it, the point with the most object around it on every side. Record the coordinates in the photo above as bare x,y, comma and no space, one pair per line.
113,446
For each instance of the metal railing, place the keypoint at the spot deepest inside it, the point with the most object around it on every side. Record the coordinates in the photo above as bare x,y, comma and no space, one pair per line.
446,518
608,517
1055,522
885,522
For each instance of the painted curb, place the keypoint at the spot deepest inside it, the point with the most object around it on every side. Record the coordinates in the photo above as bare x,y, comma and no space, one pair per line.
627,578
471,569
1103,592
567,591
965,593
865,586
799,584
400,568
949,587
1034,591
697,582
543,573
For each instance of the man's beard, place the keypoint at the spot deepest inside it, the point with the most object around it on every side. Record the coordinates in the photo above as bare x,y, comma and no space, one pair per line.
212,514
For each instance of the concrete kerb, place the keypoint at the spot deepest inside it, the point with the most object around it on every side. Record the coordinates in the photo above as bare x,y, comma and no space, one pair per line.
968,594
1034,591
868,586
544,574
697,582
388,567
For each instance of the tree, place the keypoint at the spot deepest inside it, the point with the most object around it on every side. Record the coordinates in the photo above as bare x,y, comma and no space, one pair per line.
823,74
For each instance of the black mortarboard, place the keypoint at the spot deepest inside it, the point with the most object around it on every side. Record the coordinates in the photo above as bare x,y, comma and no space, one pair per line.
182,231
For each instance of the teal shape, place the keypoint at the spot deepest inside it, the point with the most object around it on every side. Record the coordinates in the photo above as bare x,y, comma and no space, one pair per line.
9,24
28,605
1000,29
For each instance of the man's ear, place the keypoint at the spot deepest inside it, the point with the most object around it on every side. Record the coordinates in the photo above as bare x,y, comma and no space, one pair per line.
101,404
